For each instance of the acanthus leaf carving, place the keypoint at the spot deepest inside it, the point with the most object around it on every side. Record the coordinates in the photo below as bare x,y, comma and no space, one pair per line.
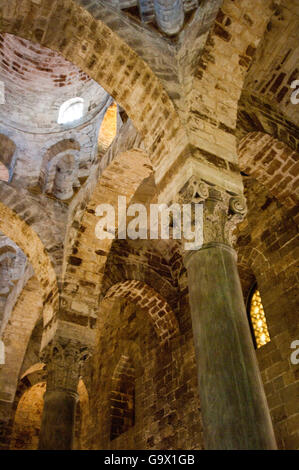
223,211
64,359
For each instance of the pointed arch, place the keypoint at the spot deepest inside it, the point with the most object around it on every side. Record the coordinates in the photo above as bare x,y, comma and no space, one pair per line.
26,238
28,406
122,398
7,151
26,312
273,164
146,297
70,146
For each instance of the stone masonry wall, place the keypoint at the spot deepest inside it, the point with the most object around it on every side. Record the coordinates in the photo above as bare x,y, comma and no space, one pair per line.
271,251
166,399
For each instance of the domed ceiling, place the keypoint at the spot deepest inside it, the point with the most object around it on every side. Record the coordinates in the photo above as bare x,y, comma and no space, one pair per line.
37,81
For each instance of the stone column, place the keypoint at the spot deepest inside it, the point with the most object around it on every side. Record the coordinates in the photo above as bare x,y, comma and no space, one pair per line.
63,359
233,404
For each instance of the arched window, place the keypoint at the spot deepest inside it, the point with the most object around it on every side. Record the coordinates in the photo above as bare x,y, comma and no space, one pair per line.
7,274
257,318
64,177
70,111
50,160
122,399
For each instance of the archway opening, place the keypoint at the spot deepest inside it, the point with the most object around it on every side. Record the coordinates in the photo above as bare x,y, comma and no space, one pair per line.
28,417
122,398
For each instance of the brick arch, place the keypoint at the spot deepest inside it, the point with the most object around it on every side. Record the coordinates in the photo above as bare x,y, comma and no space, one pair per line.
31,211
101,54
23,235
273,164
122,347
132,350
146,297
65,145
65,175
27,419
118,269
87,255
34,375
7,249
7,151
253,259
68,28
35,378
17,333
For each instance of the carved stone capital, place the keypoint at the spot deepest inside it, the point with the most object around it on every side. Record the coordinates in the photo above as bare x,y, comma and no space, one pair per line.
222,210
222,213
194,191
64,359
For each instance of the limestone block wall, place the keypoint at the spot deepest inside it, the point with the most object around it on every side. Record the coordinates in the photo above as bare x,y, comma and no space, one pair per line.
167,406
271,252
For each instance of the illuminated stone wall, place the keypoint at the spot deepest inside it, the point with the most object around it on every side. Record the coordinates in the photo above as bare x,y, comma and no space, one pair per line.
267,249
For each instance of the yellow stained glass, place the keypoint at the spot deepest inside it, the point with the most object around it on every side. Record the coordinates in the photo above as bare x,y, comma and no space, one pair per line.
258,320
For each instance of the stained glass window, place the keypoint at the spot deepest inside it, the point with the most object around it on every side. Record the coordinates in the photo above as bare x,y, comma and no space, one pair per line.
258,319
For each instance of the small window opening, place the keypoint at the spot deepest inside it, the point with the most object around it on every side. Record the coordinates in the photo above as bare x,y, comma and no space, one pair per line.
257,318
71,111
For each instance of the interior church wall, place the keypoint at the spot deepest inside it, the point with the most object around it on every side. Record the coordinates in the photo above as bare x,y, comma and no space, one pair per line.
167,409
270,251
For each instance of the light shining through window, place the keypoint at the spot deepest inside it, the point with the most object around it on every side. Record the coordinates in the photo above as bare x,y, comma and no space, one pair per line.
258,320
70,111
